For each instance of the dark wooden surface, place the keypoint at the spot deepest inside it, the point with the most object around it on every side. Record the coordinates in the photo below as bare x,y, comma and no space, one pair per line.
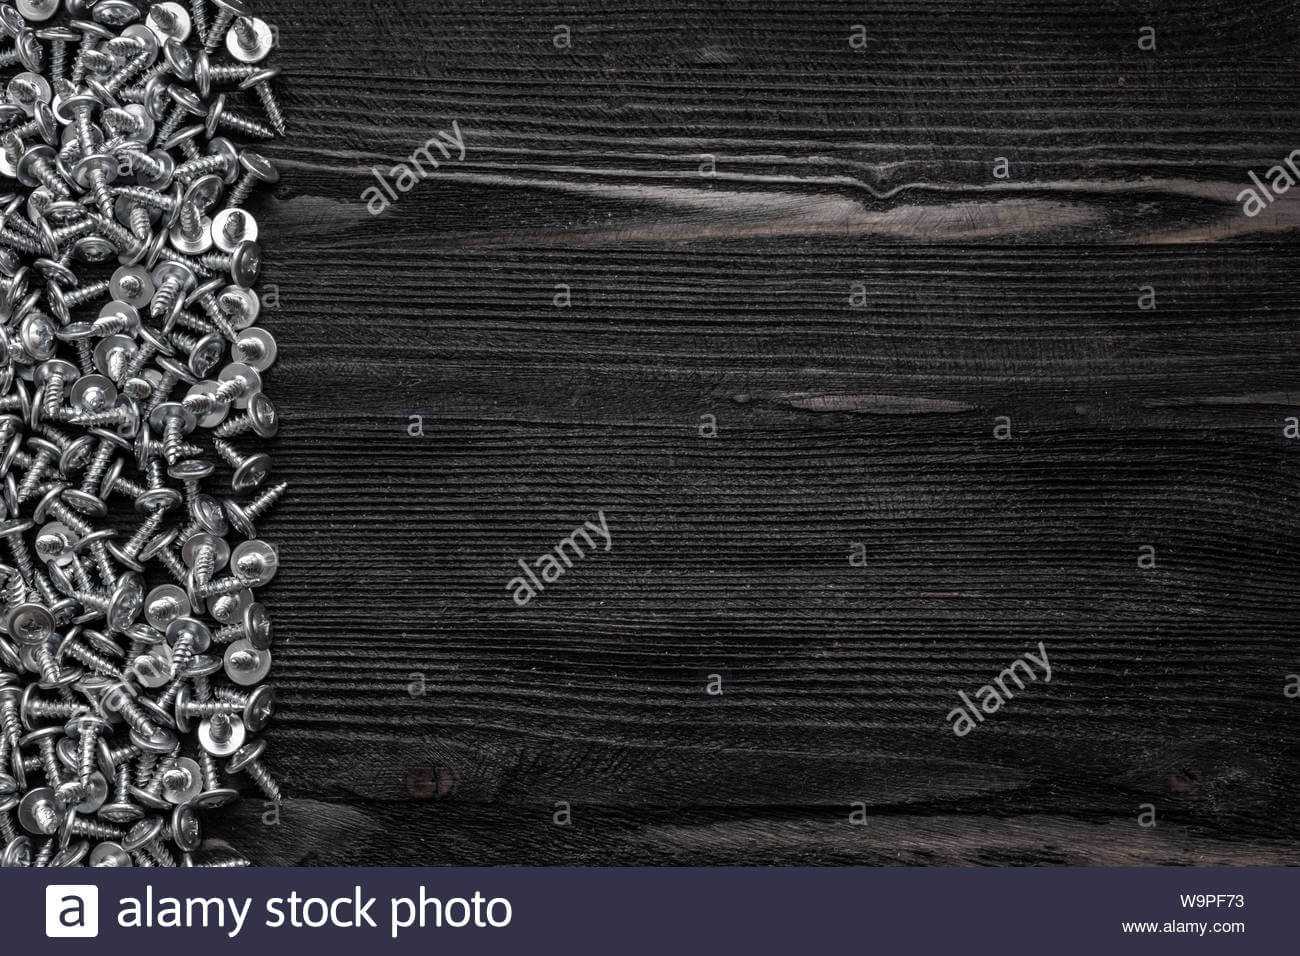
729,296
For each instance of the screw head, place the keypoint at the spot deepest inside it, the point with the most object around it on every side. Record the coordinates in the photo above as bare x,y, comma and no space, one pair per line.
169,21
245,755
206,512
191,469
246,263
37,11
256,347
257,626
161,741
165,604
109,853
255,561
251,377
40,812
255,164
230,227
18,853
182,783
245,664
220,550
29,623
126,601
222,748
115,13
260,708
186,831
263,42
142,834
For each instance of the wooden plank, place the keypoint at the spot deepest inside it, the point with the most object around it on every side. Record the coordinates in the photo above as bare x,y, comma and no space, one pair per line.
735,296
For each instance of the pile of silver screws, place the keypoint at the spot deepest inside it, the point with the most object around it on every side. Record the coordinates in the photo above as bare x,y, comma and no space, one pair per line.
133,655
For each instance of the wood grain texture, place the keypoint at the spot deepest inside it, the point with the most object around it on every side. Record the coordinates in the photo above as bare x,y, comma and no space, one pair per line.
729,295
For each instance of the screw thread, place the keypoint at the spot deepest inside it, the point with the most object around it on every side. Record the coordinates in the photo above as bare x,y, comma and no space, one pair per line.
231,389
205,564
195,168
264,781
139,222
245,125
265,501
225,586
122,782
212,708
86,293
99,188
134,716
99,831
22,557
182,655
216,316
49,178
154,169
191,219
171,122
208,768
120,237
53,394
86,755
58,58
230,73
165,297
175,567
227,634
271,107
199,16
98,466
46,817
100,419
227,452
173,439
148,528
142,354
22,243
50,672
161,854
223,608
235,426
161,392
243,189
219,27
66,233
111,325
32,479
10,723
96,662
144,769
137,65
127,487
50,761
81,118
